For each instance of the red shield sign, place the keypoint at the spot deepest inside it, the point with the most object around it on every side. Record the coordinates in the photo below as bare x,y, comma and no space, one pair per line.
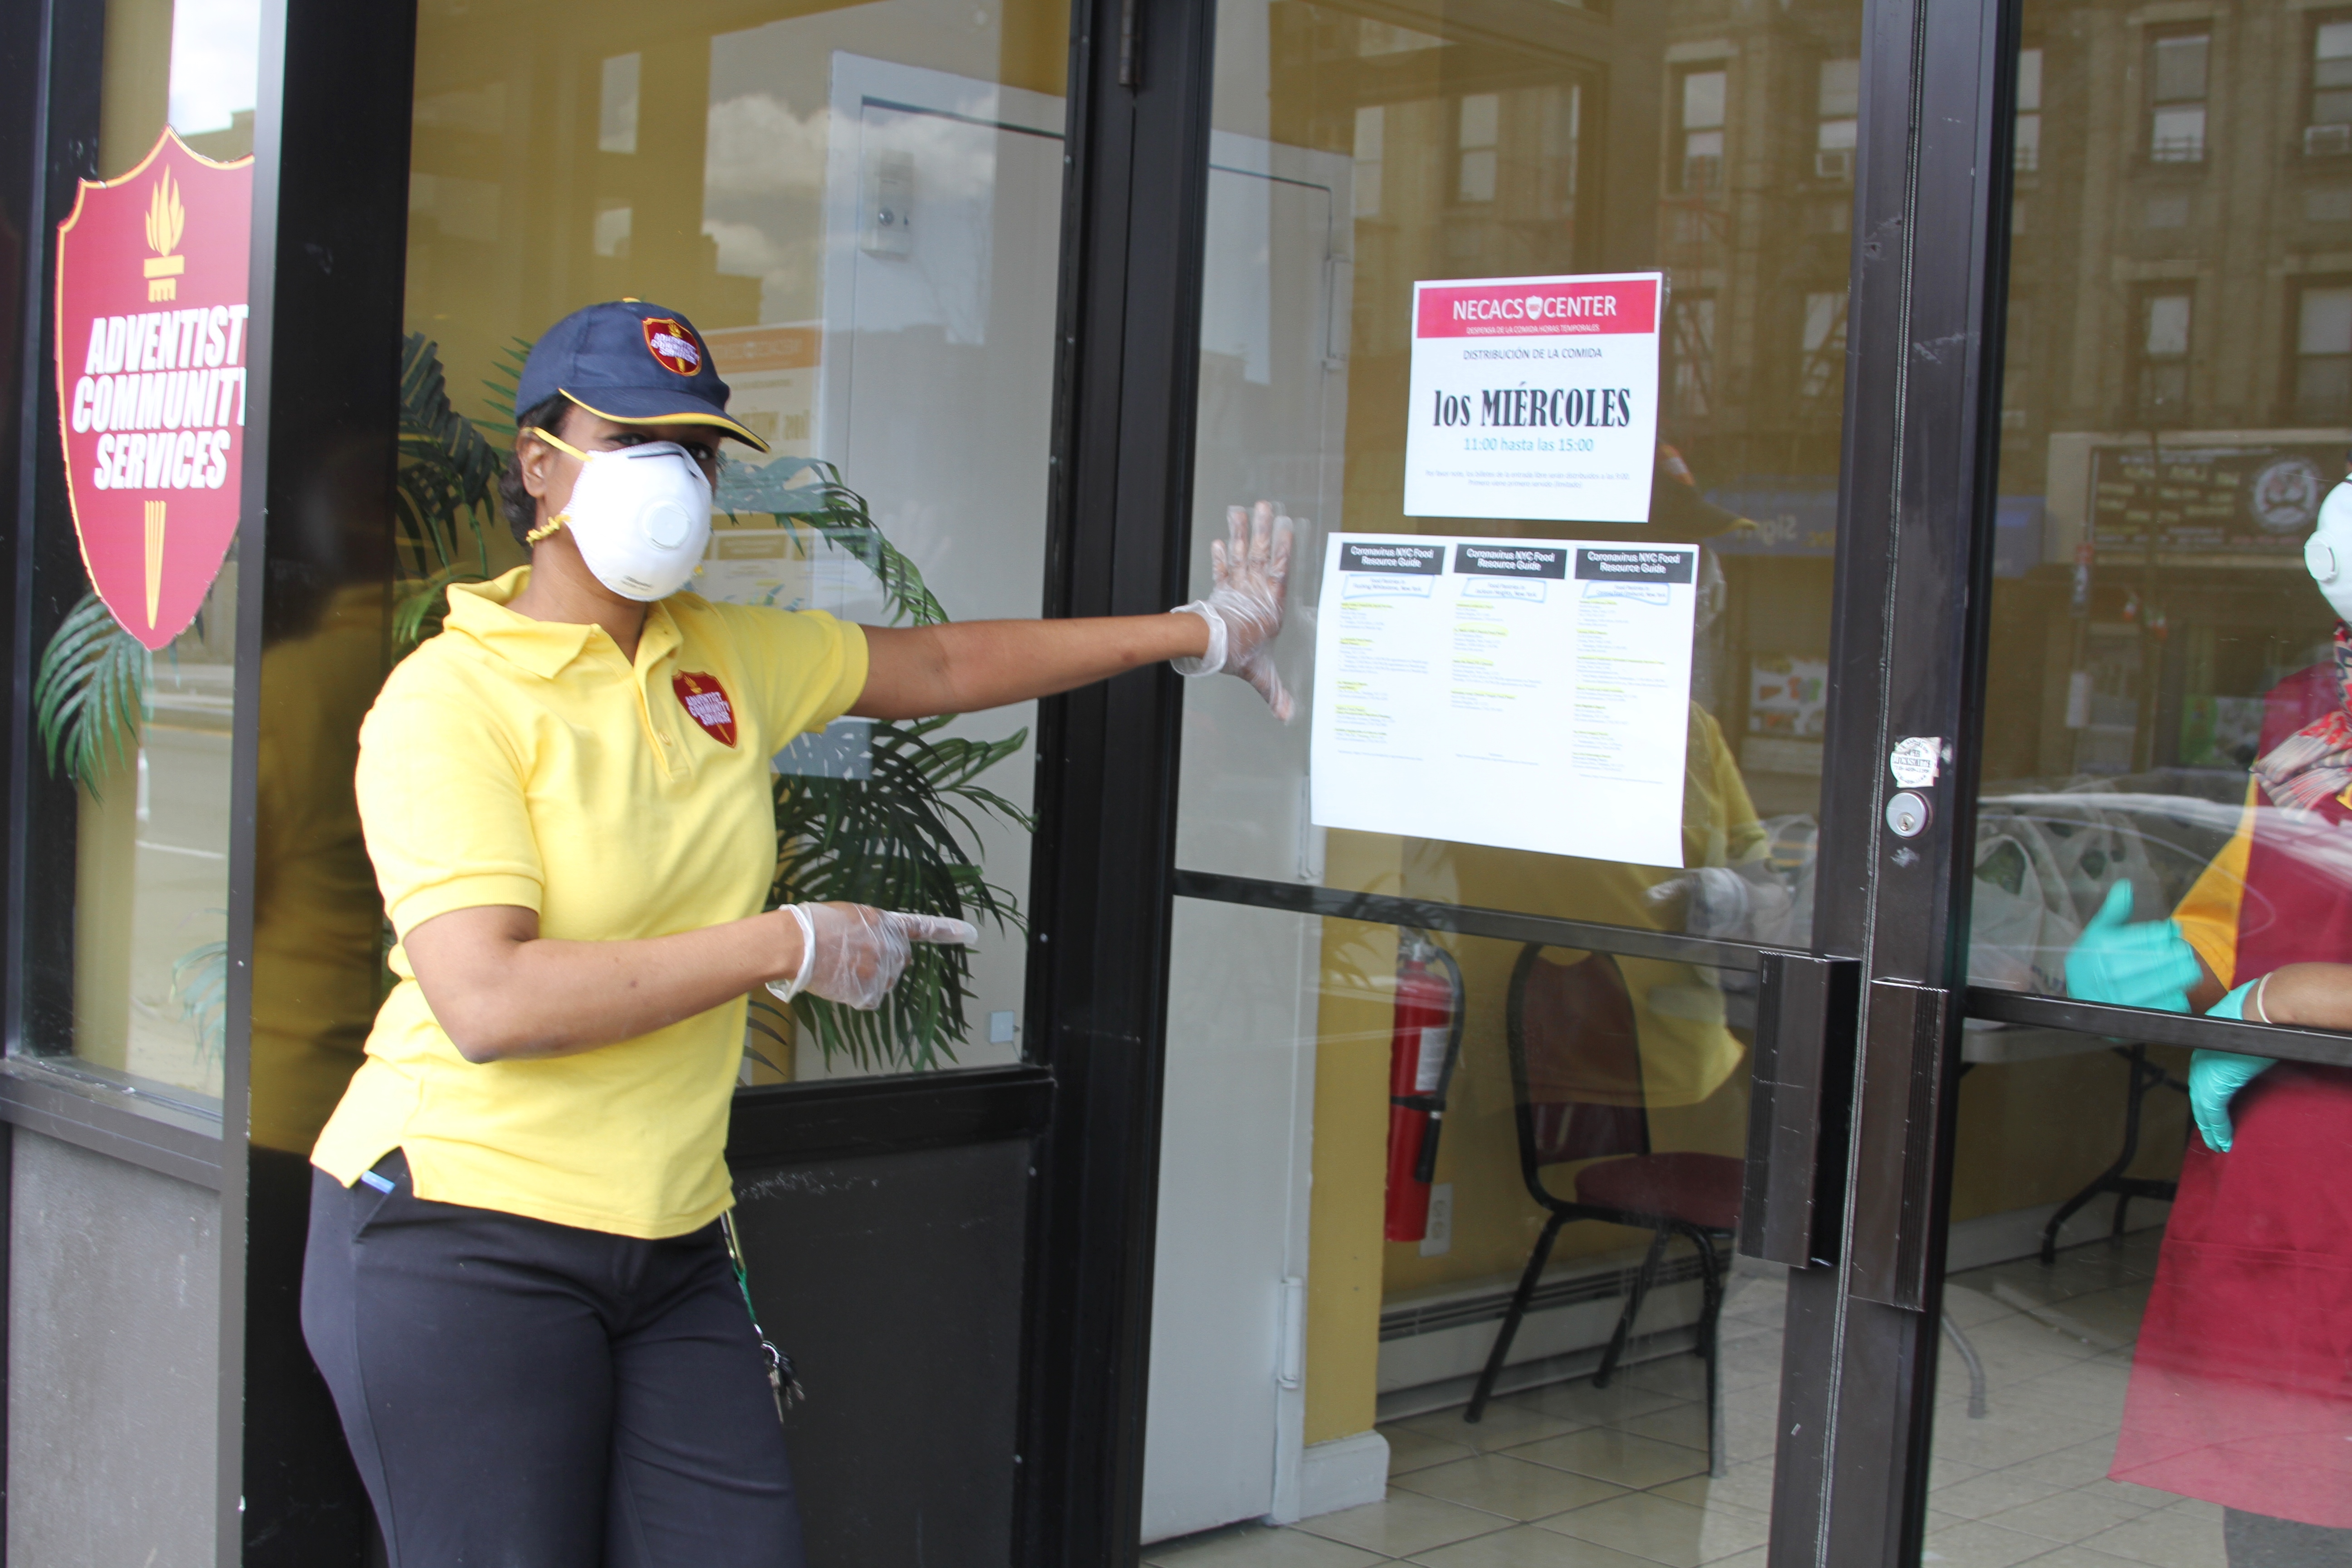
151,272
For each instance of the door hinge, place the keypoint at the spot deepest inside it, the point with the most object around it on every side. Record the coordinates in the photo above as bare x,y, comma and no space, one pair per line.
1290,1369
1130,45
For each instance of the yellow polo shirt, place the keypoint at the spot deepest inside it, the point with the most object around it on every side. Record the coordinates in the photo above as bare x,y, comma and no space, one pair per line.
510,761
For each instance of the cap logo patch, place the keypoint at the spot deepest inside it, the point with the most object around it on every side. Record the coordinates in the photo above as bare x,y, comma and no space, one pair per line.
705,701
671,342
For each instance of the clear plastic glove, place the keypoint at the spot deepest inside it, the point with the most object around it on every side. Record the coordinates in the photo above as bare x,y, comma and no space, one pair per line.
2216,1077
1251,568
853,953
2150,964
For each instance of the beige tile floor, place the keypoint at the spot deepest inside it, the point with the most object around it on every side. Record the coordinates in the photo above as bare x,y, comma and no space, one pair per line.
1575,1477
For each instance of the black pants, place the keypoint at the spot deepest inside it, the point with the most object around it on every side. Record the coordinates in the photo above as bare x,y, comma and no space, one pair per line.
522,1395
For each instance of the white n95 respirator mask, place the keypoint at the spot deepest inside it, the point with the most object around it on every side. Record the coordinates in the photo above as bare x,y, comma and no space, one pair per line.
641,516
2328,554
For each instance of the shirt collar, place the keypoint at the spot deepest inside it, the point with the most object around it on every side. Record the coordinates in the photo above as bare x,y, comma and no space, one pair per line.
543,648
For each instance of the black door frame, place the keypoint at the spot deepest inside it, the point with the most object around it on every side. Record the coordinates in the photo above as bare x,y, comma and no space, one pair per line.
1914,570
1912,611
1133,219
1913,559
1926,286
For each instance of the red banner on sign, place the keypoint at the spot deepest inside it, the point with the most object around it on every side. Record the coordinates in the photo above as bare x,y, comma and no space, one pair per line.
152,274
1547,307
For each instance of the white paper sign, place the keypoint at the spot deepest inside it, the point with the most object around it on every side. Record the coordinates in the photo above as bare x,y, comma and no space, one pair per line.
1530,694
1534,398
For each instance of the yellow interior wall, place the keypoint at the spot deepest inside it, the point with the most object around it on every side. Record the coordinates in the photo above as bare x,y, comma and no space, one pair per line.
135,87
2036,1133
1348,1179
1036,48
105,828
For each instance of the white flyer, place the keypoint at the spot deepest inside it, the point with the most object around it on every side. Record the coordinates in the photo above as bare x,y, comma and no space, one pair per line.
1529,694
1534,398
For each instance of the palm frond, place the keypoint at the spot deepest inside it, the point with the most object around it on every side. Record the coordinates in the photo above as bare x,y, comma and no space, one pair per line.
504,384
90,695
448,475
445,495
898,840
200,985
821,502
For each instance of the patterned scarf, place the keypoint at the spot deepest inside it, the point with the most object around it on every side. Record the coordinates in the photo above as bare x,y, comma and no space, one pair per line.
2314,763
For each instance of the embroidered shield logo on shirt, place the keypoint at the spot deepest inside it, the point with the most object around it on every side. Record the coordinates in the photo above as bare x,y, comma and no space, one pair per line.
705,701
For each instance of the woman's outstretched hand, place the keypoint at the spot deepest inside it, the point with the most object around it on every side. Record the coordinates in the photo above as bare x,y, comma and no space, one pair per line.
853,953
1250,568
912,672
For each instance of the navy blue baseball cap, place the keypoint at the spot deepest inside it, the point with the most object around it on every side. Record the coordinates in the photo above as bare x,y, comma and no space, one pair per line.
633,364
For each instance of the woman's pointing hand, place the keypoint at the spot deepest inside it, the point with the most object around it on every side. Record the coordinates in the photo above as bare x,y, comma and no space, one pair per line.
853,953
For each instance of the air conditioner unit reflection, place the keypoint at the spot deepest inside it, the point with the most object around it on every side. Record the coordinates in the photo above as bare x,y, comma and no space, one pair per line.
1833,163
2326,141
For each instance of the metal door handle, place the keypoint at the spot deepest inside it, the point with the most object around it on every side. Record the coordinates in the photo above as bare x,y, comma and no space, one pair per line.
1793,1185
1903,1074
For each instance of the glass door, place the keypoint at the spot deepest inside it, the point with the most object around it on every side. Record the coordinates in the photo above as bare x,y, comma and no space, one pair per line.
2143,1239
1531,329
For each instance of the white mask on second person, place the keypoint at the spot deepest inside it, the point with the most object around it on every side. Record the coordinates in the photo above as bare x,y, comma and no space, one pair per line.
641,516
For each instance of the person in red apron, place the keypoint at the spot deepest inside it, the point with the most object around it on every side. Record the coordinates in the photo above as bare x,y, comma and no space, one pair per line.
2241,1380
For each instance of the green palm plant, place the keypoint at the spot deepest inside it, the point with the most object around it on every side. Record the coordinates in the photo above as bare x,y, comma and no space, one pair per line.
896,838
90,694
446,498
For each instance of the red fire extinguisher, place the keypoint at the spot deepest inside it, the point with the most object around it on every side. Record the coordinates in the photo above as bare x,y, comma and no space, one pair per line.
1423,1045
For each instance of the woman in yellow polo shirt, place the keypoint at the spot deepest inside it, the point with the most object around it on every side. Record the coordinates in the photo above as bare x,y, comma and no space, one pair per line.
517,1285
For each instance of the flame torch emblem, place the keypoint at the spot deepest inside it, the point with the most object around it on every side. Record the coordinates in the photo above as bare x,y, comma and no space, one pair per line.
166,221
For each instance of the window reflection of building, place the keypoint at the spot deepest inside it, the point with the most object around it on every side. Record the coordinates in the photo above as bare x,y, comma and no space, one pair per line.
2028,111
1834,137
2323,352
1690,349
2327,128
1479,117
2176,98
1701,166
2164,316
2171,341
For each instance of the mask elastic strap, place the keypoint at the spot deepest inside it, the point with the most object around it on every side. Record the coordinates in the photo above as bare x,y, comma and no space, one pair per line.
558,442
553,525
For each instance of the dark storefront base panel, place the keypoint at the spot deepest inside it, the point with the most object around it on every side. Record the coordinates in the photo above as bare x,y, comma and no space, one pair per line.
893,1280
113,1360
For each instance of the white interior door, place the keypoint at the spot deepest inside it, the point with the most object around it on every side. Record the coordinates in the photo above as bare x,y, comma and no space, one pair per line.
936,385
1223,1438
934,397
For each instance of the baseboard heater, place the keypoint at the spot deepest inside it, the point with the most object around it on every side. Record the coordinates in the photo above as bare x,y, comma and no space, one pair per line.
1680,1266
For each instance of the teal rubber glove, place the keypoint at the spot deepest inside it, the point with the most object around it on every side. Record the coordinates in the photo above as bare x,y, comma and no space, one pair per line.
2215,1077
2150,964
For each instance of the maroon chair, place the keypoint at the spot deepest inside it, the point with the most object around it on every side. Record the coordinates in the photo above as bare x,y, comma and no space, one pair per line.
1576,1087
